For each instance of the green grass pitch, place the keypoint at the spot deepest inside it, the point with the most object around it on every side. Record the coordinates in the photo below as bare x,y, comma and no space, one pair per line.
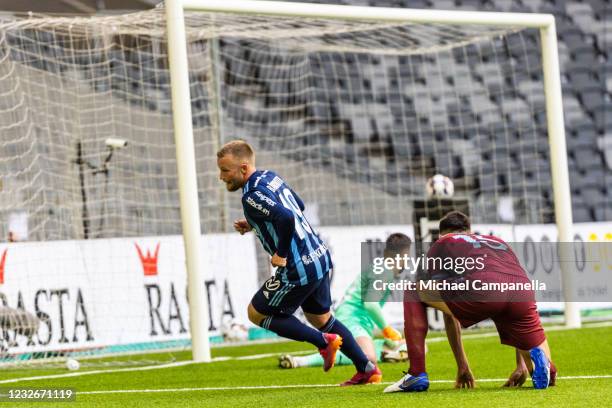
577,353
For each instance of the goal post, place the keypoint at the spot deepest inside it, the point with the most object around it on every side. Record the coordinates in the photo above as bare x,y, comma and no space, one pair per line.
551,74
186,166
558,157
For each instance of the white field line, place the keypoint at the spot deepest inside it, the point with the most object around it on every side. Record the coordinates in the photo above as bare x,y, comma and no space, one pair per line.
254,357
79,374
268,387
145,368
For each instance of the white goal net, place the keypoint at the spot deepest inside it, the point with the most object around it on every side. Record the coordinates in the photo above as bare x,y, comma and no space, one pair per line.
356,116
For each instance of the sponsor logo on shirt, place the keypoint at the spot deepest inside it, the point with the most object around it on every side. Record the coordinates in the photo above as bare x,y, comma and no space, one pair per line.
258,206
314,254
265,198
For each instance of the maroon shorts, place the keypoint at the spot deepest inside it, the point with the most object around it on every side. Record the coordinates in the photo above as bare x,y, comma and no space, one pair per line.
515,315
518,323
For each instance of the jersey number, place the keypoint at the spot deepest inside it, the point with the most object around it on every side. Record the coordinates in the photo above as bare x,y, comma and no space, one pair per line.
301,225
480,240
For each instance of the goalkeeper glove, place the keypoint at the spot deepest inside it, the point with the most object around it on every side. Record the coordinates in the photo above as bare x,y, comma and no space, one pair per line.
391,334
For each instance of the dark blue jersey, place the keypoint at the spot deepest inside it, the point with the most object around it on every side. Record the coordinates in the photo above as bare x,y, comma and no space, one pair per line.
275,213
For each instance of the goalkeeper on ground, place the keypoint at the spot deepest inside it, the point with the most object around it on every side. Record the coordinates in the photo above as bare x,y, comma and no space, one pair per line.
362,316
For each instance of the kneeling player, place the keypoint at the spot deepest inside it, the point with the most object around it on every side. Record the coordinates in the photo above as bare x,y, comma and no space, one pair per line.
514,314
362,316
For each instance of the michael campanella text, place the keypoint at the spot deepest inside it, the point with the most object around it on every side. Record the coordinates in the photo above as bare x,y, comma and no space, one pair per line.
458,286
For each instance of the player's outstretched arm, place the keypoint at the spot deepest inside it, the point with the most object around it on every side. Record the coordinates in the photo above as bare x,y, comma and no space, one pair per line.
519,375
376,314
465,378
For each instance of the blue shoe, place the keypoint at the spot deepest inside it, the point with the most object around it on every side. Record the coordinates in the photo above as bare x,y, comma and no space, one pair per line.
541,369
410,383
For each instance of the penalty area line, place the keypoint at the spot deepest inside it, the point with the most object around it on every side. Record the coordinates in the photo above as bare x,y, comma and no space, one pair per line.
289,386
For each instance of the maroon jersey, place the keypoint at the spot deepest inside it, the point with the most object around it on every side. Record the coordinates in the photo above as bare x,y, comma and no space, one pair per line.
514,312
461,254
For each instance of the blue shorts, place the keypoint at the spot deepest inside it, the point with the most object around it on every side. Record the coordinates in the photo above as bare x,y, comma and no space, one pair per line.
276,297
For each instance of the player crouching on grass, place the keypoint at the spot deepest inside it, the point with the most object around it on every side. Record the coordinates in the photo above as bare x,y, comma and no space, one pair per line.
514,312
362,315
303,262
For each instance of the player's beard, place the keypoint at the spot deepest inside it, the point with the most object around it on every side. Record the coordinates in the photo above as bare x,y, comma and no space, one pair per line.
232,186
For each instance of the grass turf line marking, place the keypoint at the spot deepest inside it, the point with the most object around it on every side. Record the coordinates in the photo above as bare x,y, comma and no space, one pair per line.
146,368
270,387
256,356
120,370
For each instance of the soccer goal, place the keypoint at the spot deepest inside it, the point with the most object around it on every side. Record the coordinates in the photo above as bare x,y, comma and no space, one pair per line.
391,95
120,229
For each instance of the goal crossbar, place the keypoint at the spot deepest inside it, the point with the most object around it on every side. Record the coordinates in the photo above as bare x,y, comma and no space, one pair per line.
387,14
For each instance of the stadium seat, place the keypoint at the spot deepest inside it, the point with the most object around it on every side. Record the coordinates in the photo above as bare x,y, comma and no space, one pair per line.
605,146
603,120
602,212
582,214
416,3
572,109
579,141
592,195
587,159
487,182
593,99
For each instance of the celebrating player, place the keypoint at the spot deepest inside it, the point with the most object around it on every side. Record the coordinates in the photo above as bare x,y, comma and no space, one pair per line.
514,314
362,313
303,263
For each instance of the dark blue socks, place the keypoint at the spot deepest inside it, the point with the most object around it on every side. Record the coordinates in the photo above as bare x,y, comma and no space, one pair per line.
290,327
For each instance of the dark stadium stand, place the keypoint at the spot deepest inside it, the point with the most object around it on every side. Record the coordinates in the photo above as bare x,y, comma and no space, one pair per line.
363,120
585,34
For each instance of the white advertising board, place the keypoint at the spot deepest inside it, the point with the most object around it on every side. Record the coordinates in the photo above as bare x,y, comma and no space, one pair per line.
98,293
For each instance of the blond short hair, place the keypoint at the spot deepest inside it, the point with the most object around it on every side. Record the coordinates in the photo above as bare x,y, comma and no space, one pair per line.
237,148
